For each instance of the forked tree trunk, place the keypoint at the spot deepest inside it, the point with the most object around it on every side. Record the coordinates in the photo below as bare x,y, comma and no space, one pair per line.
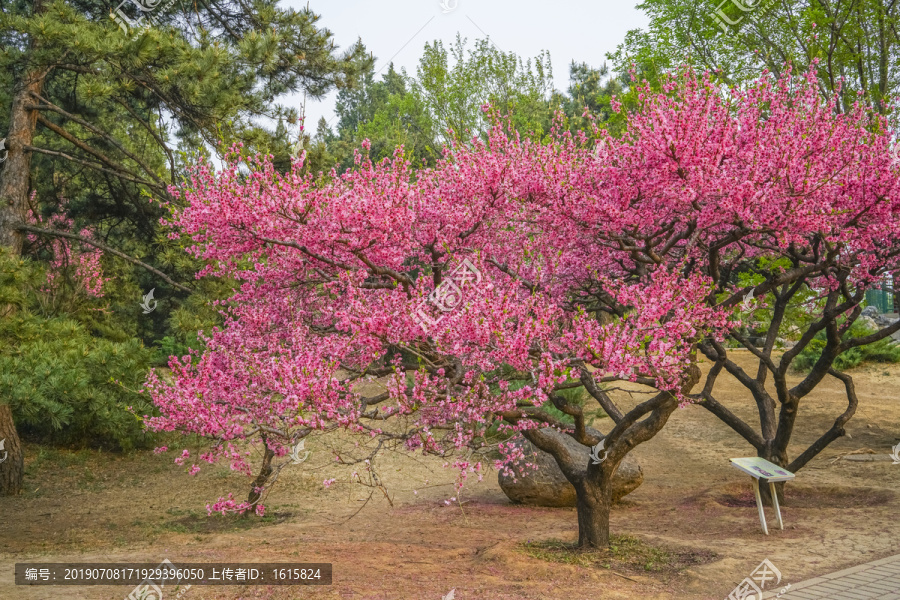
265,472
12,467
593,500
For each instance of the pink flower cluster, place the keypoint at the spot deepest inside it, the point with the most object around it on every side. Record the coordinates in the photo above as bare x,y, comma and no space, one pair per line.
230,505
560,232
76,261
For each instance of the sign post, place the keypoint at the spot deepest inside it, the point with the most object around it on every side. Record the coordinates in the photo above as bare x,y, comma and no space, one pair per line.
760,468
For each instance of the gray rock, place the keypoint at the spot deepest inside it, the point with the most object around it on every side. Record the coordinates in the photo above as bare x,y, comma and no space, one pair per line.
756,340
870,311
547,486
885,320
868,322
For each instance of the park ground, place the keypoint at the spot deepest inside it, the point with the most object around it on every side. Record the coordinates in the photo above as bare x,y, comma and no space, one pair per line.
689,532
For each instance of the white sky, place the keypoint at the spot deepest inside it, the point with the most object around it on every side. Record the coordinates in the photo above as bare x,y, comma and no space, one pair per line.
568,29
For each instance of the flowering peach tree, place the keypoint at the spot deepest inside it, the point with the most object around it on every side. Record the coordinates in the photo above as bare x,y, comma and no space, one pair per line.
789,206
480,290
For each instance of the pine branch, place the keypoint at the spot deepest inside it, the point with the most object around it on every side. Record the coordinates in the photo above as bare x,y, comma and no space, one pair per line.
53,107
150,130
78,143
105,248
92,166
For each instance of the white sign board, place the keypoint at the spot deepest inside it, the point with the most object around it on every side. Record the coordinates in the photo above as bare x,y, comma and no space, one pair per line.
760,468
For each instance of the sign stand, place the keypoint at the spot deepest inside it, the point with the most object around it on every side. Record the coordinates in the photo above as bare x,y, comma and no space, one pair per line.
760,468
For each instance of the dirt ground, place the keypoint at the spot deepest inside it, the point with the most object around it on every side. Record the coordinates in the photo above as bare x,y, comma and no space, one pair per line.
99,507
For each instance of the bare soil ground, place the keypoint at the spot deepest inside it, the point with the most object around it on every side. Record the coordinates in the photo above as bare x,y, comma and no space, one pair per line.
692,528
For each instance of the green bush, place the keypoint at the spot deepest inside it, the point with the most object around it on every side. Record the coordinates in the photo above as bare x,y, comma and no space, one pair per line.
884,351
173,346
68,376
66,386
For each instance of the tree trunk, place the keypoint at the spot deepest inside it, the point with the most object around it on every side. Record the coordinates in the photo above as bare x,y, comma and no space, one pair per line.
766,494
15,176
778,458
12,458
593,499
264,472
14,183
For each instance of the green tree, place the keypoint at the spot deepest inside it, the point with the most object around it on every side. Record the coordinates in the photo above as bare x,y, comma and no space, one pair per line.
453,84
855,42
590,89
385,112
108,116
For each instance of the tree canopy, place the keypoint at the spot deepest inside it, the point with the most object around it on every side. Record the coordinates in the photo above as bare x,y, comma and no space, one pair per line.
516,269
855,43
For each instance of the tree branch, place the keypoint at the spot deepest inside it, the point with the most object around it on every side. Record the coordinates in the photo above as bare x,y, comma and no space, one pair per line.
837,429
105,248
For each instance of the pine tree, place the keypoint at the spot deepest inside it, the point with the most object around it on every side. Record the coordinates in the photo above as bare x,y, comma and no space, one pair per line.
106,102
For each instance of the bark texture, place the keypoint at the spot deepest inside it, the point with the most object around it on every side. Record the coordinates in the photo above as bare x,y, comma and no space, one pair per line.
14,186
593,503
15,176
265,472
12,467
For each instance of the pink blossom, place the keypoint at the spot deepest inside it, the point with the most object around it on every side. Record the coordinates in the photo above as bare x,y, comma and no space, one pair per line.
184,455
334,277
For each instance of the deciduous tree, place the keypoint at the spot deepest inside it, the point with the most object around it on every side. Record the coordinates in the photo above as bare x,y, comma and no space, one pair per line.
584,265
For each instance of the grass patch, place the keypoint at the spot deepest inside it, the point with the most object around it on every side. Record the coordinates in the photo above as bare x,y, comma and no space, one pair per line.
197,522
49,457
625,553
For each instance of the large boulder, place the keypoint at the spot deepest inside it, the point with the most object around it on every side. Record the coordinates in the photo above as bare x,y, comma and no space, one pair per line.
870,311
868,322
545,485
885,320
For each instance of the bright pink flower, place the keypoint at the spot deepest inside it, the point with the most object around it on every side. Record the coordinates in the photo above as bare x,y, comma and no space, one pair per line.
344,281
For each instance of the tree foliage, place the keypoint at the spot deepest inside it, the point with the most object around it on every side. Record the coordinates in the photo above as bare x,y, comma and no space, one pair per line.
67,384
854,42
102,119
443,102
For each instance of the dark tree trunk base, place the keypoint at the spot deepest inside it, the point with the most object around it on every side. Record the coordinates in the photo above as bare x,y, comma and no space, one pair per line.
12,469
264,472
592,504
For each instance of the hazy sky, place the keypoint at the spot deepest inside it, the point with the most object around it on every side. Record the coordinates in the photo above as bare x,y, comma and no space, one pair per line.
396,30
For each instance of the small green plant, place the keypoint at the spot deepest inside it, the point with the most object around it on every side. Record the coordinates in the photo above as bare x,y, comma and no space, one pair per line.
883,351
172,346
